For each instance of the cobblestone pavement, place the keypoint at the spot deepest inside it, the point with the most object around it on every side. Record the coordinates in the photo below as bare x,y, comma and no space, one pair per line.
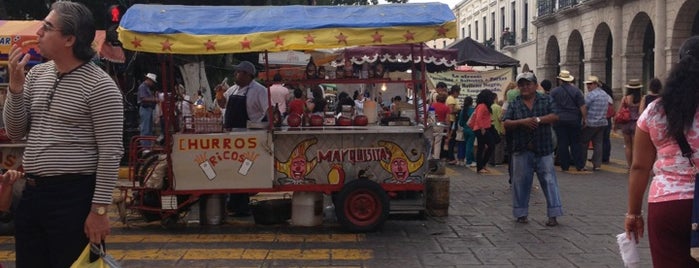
480,231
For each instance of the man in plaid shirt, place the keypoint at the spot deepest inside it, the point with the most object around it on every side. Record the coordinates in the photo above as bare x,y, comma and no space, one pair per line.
529,118
596,102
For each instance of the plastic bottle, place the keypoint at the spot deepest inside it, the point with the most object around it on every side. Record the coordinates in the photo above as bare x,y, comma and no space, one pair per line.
432,116
277,116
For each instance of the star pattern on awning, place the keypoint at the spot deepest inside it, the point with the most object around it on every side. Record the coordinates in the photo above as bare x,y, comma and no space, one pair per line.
442,31
167,46
377,37
210,45
245,43
310,39
136,42
409,36
341,38
279,42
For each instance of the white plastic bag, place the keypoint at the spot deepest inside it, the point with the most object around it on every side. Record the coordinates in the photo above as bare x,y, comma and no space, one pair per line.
629,251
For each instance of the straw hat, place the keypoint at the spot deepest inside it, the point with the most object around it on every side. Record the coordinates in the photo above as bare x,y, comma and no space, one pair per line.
565,76
592,79
634,83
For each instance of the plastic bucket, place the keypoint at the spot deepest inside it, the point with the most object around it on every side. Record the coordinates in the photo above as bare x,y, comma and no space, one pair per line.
307,208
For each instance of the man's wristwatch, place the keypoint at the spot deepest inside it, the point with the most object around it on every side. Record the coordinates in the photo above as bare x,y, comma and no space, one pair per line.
100,210
538,120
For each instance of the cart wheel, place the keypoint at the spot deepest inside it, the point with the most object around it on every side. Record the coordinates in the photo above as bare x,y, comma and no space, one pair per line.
361,206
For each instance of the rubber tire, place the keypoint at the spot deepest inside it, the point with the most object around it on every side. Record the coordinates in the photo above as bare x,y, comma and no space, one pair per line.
362,206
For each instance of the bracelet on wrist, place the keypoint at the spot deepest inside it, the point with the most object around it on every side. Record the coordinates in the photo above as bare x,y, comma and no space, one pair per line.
634,216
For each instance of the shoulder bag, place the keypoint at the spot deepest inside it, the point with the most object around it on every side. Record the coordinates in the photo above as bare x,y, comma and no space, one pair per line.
694,241
624,115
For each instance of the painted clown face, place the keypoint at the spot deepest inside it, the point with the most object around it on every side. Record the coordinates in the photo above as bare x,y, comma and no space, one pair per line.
298,168
399,169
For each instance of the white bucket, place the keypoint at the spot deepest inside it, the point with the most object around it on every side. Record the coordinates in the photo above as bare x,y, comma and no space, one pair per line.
307,208
214,209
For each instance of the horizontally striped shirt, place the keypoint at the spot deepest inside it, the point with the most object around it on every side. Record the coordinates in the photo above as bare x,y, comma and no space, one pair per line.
72,125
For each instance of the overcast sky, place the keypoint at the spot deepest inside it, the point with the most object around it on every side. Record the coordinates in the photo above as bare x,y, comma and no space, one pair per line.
451,3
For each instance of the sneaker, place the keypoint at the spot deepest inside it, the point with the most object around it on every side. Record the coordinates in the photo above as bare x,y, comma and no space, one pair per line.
472,165
551,222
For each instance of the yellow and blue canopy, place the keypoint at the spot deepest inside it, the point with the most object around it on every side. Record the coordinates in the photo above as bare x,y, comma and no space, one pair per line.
182,29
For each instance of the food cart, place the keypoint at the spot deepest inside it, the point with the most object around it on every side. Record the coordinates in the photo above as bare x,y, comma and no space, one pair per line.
365,168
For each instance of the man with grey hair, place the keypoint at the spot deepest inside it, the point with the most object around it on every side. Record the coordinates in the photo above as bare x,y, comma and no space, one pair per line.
529,119
72,116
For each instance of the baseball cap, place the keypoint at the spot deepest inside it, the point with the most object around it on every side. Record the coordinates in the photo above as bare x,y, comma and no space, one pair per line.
245,66
527,75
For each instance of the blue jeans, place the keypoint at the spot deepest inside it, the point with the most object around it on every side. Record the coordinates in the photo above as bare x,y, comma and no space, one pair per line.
568,134
466,148
146,127
524,164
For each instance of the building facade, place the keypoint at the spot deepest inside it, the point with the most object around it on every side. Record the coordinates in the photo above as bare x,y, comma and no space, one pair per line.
616,40
506,25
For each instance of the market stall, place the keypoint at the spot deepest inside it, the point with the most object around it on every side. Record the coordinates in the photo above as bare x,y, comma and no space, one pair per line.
364,167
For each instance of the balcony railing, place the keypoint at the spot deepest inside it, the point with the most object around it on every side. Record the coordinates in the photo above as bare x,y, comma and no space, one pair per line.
545,7
567,3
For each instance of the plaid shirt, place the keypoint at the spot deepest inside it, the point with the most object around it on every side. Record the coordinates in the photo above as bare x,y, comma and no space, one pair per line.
539,140
596,103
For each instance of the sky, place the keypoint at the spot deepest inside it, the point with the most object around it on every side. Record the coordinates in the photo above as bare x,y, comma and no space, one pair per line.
451,3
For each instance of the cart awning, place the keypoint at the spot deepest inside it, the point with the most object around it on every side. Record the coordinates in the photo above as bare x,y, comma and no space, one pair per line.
182,29
401,55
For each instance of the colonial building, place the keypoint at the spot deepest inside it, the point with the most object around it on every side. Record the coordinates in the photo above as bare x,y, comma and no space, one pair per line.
616,40
506,25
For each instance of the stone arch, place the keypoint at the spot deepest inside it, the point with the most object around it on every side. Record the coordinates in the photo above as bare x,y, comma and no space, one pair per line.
552,59
686,24
601,53
575,55
639,48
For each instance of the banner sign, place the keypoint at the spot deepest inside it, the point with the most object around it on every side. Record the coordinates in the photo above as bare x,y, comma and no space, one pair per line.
472,83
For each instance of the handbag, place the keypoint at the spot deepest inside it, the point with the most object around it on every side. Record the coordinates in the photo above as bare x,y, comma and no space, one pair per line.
93,256
459,133
694,235
623,116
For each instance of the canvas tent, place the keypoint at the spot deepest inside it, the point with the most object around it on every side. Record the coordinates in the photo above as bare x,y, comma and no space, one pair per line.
474,53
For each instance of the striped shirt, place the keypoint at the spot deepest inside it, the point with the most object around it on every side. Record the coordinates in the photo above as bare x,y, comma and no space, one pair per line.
597,103
73,124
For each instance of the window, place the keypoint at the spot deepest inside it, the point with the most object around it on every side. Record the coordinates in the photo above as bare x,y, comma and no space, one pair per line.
502,19
469,30
476,26
485,29
514,16
463,32
492,24
525,27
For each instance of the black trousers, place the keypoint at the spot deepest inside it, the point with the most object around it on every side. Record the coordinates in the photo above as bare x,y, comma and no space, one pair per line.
50,220
486,145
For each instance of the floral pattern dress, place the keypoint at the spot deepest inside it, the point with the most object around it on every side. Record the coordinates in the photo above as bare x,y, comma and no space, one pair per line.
674,177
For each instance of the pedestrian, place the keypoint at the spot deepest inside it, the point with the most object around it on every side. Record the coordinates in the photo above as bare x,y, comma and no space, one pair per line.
245,101
529,119
72,114
606,136
654,87
656,147
279,93
441,111
596,103
146,106
297,105
569,105
498,131
454,110
465,152
631,102
546,85
481,125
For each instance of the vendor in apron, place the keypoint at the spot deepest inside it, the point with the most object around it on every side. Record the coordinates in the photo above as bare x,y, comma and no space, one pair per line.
245,101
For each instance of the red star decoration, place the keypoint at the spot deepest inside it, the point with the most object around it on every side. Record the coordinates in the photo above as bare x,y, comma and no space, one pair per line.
377,37
310,39
341,38
409,36
278,41
210,45
136,42
245,43
441,31
167,45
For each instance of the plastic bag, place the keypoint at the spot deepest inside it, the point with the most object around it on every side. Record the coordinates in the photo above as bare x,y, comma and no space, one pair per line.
104,260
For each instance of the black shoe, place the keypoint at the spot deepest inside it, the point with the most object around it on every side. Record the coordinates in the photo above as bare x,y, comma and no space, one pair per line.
552,222
581,169
522,219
